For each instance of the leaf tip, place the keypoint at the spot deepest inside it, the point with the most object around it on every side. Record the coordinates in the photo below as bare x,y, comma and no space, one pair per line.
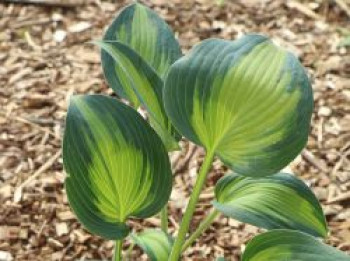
75,98
95,42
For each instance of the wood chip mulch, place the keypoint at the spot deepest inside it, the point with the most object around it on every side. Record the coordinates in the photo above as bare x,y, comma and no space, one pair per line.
44,58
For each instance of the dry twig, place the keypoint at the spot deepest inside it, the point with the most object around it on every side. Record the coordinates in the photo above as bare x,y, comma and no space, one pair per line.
343,6
57,3
313,160
18,192
303,9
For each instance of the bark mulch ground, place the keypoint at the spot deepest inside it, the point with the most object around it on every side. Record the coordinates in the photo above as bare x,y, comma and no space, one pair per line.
44,58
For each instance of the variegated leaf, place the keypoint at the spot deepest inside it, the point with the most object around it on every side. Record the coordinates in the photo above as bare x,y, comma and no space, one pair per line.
117,167
142,30
155,243
289,245
273,202
248,101
143,85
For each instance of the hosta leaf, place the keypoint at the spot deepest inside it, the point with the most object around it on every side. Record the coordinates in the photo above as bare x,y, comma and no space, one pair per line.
289,245
116,165
248,101
148,35
155,243
277,201
143,85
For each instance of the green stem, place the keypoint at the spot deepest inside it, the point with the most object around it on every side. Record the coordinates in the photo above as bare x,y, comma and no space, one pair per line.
176,250
204,225
164,218
129,250
118,250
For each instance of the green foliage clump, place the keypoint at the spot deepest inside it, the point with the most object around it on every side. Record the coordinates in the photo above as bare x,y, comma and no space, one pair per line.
246,102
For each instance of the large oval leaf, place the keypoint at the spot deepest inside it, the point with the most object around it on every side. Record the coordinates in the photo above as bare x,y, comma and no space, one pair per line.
248,101
142,85
116,165
278,201
148,35
155,243
288,245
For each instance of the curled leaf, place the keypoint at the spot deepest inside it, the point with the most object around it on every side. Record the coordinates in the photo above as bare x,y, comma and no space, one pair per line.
137,51
147,34
142,85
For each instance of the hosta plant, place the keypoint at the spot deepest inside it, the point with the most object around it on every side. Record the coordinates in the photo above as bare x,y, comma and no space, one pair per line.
246,102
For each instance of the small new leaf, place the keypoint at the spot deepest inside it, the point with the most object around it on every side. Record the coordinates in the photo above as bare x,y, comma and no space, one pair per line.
277,201
156,244
289,245
117,167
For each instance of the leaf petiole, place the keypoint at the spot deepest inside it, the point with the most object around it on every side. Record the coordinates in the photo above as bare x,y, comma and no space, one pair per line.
118,250
186,220
204,225
129,250
164,219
